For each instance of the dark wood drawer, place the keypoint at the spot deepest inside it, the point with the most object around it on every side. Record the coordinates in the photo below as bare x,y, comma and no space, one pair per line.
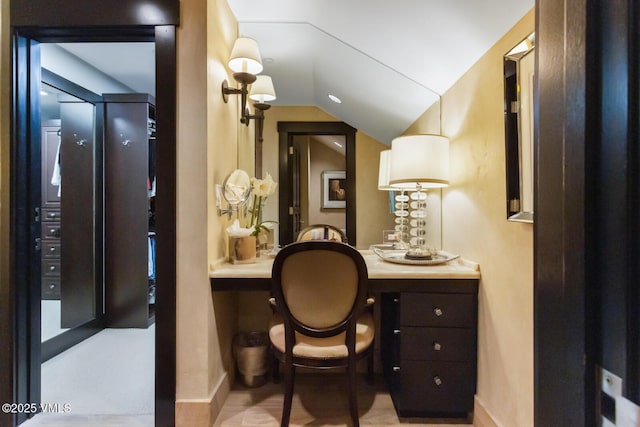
50,230
422,309
50,288
51,249
50,268
49,214
433,388
451,344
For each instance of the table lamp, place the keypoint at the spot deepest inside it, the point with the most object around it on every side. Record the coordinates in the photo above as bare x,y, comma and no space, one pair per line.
419,162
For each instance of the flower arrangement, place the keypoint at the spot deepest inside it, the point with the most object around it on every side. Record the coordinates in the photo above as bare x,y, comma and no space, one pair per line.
261,189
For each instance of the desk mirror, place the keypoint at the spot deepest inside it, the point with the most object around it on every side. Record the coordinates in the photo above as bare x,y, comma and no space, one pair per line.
236,188
519,69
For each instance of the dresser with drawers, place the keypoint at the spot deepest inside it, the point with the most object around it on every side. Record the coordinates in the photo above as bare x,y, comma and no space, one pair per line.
428,328
49,214
430,352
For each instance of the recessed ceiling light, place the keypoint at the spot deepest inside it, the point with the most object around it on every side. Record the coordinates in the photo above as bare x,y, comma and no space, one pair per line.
267,60
44,93
338,144
335,99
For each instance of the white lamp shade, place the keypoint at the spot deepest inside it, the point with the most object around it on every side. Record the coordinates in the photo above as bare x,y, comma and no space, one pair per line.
245,56
383,171
419,159
262,89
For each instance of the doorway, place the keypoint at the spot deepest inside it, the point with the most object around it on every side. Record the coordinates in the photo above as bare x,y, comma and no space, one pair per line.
300,182
38,21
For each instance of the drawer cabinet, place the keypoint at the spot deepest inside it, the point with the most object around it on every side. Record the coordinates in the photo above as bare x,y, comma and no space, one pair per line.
50,252
429,351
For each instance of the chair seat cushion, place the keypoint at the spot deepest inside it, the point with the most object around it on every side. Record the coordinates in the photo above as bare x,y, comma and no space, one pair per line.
323,348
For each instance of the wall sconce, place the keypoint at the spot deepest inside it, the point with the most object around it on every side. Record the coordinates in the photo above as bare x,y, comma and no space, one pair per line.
261,91
246,63
419,162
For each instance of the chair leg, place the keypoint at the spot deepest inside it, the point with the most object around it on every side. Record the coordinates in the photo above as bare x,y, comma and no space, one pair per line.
289,378
353,392
275,368
370,375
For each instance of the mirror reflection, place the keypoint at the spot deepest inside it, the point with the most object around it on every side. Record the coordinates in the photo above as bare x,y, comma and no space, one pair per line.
519,68
68,137
321,160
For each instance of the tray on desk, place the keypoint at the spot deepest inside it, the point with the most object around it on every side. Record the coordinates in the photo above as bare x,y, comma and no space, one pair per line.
398,257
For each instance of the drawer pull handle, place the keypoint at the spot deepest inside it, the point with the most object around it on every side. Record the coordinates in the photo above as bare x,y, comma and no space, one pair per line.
396,300
396,369
52,249
52,215
52,268
396,332
437,381
52,286
437,346
437,311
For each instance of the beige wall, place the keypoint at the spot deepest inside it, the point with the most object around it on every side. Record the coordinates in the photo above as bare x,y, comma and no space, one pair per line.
475,225
210,142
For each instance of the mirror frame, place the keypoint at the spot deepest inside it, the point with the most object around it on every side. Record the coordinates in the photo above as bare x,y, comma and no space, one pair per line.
514,141
286,132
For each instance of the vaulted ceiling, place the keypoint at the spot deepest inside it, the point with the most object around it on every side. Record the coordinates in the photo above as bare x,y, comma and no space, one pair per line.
387,61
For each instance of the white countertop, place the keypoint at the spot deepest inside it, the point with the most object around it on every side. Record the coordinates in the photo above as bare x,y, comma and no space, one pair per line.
376,266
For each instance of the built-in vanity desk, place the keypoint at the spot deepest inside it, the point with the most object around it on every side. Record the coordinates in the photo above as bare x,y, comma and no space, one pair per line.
428,328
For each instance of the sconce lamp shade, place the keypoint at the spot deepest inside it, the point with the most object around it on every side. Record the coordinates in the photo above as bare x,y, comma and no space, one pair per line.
245,56
419,159
262,90
383,172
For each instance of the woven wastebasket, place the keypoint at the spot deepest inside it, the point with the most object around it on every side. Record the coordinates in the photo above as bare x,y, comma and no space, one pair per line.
250,351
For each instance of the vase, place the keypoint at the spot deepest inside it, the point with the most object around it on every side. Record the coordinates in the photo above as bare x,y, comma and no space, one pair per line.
264,242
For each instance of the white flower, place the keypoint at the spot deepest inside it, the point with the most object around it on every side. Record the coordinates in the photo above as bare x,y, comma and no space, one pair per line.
264,187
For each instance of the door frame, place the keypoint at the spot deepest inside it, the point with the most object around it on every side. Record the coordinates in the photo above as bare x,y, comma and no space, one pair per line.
286,132
587,229
44,20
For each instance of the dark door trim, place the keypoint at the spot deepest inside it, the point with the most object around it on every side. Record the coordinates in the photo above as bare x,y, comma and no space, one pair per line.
560,374
286,132
92,20
587,187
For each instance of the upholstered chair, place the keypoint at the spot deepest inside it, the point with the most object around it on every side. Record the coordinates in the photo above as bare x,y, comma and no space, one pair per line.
321,320
322,232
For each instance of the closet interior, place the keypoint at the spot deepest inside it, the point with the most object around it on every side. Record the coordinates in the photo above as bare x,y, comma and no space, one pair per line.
97,213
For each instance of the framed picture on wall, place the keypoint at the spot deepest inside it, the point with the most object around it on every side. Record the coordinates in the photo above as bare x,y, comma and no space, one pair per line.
334,193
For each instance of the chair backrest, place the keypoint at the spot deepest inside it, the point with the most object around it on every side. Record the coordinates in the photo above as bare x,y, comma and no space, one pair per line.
319,286
322,232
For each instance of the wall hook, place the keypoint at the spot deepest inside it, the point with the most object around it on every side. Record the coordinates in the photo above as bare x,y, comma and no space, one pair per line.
79,142
125,142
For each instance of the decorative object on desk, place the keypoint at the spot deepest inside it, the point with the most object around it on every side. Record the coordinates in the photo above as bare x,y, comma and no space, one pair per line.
242,244
263,230
399,257
398,203
235,190
419,162
334,194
